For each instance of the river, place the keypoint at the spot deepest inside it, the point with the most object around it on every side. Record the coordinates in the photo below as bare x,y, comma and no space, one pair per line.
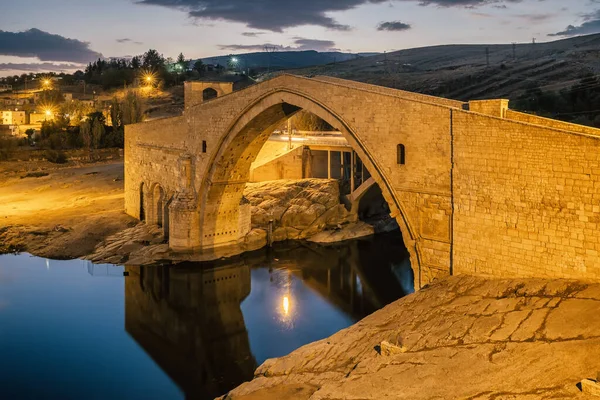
74,330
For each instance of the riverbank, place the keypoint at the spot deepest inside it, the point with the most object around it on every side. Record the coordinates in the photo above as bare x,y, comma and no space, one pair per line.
460,338
76,211
60,212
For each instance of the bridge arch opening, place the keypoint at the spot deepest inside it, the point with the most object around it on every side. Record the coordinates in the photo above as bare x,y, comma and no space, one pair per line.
221,191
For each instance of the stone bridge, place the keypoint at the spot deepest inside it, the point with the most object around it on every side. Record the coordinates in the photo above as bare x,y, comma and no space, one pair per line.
476,187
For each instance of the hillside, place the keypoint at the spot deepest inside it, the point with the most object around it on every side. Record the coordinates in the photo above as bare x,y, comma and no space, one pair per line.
285,59
460,71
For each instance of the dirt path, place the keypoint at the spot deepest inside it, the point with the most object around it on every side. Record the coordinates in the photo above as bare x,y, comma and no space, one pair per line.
63,214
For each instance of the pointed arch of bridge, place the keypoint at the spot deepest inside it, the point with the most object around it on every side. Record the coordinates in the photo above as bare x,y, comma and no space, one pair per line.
222,187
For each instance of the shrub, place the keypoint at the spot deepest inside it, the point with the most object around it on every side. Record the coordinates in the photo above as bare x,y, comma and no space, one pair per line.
7,145
55,156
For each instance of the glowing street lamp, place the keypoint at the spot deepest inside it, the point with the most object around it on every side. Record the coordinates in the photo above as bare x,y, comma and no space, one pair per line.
148,77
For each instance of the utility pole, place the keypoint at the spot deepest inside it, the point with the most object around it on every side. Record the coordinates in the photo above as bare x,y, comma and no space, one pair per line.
269,49
487,56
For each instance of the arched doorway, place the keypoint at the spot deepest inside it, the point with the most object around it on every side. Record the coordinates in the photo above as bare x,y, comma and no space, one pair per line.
142,207
209,93
229,171
166,219
158,205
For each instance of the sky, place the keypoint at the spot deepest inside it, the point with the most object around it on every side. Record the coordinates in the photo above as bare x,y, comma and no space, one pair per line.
64,35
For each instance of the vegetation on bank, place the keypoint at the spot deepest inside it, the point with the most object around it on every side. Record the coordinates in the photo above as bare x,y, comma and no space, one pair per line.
579,104
80,127
117,73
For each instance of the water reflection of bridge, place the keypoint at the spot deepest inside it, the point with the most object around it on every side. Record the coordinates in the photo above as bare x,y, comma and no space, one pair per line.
357,277
191,324
189,320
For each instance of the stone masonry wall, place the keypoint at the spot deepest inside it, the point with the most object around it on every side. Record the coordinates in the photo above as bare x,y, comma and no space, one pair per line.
286,164
550,123
152,152
526,200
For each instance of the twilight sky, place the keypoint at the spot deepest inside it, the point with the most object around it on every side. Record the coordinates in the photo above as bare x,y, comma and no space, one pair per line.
55,35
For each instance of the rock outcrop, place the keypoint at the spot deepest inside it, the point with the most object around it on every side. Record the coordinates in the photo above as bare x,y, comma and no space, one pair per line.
299,209
460,338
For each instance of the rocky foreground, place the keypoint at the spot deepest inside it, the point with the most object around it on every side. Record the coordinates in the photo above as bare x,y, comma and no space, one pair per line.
460,338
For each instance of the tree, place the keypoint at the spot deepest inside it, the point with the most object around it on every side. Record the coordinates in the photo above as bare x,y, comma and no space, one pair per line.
116,113
97,115
152,60
136,62
85,129
200,67
307,121
97,133
182,62
132,108
30,132
76,110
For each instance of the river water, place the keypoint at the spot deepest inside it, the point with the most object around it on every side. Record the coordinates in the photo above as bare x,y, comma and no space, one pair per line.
74,330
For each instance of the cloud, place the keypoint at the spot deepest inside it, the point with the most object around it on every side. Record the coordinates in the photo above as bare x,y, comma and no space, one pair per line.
482,15
591,16
393,26
300,43
535,17
590,26
314,44
45,46
271,15
467,3
127,40
278,15
252,34
40,67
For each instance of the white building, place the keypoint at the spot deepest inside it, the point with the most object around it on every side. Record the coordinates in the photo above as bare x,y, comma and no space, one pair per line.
14,117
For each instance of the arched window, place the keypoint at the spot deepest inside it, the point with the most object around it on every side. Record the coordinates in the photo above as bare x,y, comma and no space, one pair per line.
401,154
209,93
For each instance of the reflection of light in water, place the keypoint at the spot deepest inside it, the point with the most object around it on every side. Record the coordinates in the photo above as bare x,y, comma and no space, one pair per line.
282,282
286,305
47,264
359,286
404,275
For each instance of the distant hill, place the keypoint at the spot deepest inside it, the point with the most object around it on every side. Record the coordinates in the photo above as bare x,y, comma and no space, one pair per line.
461,71
285,59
